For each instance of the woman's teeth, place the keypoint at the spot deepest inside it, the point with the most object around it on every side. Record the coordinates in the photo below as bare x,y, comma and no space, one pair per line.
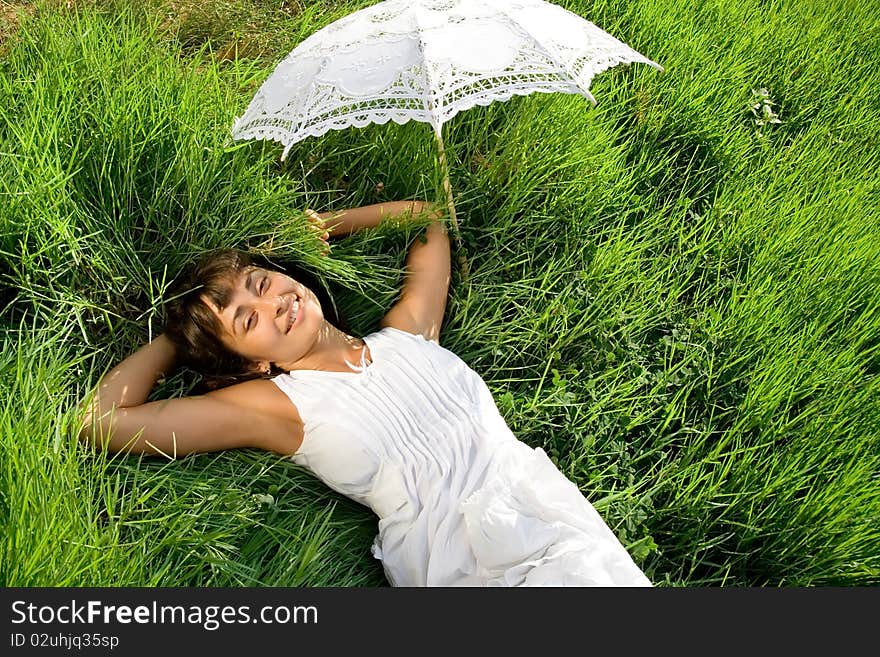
294,310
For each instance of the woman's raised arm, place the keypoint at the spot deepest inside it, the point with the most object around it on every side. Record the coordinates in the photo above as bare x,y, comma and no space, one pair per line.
128,385
243,415
344,222
422,303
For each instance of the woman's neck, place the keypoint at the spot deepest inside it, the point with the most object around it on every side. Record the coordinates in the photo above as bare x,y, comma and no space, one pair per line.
331,350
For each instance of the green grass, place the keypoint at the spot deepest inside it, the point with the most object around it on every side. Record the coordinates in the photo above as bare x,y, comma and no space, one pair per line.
684,313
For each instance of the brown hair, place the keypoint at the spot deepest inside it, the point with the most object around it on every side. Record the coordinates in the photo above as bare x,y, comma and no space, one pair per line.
195,330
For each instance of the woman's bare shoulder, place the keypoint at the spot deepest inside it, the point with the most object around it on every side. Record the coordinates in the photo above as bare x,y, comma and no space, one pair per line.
259,395
262,397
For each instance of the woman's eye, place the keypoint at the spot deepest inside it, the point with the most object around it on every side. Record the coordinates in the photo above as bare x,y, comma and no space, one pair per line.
250,323
263,285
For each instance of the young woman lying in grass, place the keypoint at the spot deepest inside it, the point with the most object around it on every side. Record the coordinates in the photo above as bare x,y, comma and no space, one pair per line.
392,419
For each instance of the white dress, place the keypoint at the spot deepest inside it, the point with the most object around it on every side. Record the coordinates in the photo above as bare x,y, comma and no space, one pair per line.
417,437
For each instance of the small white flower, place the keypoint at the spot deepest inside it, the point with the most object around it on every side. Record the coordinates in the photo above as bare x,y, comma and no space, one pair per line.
763,109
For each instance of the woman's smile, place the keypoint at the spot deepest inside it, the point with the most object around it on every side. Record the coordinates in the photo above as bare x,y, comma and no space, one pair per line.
293,314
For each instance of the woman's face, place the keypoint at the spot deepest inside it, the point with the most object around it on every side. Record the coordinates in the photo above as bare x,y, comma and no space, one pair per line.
271,318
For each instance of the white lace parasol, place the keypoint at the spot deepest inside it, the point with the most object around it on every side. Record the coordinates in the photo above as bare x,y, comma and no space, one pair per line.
427,60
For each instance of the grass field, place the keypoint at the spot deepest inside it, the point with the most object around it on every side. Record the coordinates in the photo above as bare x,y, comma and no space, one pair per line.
677,298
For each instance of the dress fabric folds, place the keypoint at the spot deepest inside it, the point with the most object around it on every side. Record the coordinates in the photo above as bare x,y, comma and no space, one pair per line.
417,437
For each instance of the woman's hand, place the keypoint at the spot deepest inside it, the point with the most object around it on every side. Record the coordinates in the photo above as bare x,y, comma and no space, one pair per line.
317,223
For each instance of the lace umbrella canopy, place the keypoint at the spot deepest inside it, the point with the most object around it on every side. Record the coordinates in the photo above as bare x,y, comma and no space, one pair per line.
427,60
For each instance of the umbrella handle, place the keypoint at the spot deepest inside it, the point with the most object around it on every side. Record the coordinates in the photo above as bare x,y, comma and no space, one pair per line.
463,267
